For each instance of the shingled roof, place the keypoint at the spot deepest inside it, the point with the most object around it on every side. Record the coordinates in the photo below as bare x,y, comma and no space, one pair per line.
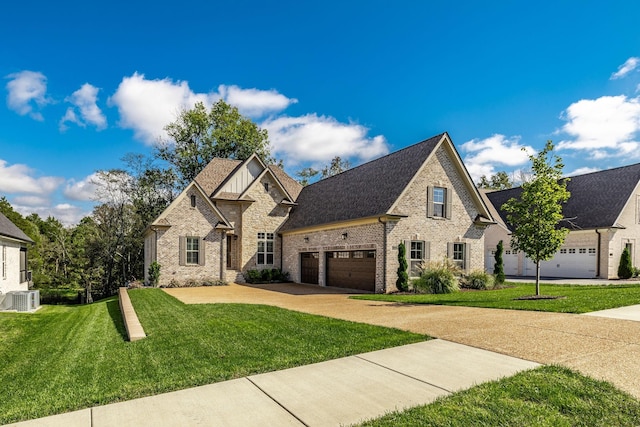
9,229
596,201
365,191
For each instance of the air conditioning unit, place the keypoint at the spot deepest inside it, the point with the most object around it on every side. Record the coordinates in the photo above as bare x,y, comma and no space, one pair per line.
26,300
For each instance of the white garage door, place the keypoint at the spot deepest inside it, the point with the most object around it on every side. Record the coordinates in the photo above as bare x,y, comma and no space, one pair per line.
509,261
578,263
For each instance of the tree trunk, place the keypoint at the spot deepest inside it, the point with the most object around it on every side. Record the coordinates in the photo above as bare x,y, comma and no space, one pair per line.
537,277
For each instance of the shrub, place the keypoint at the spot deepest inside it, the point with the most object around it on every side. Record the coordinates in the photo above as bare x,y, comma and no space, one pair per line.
214,282
498,268
268,275
173,283
154,274
437,279
477,279
403,277
636,271
625,269
252,276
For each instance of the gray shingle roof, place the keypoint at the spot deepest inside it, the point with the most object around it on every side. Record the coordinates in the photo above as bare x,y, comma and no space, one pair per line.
596,201
9,229
364,191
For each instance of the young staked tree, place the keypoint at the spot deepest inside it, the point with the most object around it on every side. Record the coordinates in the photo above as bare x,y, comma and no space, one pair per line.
498,267
536,215
403,277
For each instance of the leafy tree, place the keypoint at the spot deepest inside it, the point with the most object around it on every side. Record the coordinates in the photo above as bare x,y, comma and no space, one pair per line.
306,175
198,135
498,267
403,277
625,269
336,166
499,181
536,215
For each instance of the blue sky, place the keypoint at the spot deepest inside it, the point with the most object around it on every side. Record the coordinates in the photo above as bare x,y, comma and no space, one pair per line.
85,83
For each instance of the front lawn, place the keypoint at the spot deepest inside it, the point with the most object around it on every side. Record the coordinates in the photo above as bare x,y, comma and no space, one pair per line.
547,396
64,358
577,298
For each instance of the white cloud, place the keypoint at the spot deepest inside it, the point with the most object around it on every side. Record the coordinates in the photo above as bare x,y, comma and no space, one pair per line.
83,190
147,106
255,102
605,127
483,155
85,99
19,178
64,212
313,138
27,90
582,171
628,66
31,200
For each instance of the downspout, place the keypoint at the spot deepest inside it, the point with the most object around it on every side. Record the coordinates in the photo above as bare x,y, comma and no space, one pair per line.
598,255
384,253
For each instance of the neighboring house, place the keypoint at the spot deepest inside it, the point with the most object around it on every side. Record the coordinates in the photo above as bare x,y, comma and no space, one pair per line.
342,231
14,275
603,216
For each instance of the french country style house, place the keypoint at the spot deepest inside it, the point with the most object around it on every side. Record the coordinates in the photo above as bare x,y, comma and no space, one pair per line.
342,231
603,216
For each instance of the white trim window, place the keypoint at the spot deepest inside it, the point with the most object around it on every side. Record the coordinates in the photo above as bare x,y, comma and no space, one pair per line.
265,249
416,257
439,196
192,250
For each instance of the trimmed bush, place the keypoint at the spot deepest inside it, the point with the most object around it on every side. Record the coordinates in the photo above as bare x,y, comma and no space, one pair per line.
268,275
625,269
403,277
498,267
154,274
437,279
477,279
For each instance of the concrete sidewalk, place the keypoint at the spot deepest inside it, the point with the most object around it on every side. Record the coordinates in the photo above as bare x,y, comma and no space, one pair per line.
336,392
630,312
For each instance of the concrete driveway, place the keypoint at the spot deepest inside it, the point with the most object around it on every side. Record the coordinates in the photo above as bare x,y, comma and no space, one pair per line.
604,348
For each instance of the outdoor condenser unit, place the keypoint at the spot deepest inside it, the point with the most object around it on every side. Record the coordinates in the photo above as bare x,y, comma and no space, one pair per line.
26,300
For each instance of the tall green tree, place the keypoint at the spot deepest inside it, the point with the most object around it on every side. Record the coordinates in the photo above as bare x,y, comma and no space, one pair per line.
625,268
402,283
336,166
535,216
498,266
198,135
499,181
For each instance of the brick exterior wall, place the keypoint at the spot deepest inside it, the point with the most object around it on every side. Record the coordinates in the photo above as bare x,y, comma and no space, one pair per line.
359,237
188,221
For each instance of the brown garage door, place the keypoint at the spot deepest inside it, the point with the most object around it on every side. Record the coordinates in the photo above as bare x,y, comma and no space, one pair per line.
309,263
352,269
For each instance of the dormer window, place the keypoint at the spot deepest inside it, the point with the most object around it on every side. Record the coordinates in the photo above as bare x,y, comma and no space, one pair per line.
266,186
193,201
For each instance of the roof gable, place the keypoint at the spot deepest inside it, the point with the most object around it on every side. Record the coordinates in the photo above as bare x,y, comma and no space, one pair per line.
368,190
9,229
215,173
597,199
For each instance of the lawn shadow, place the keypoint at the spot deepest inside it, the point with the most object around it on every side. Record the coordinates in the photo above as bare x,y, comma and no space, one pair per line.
113,307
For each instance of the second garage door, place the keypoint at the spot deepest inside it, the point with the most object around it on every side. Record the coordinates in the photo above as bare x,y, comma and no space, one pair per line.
352,269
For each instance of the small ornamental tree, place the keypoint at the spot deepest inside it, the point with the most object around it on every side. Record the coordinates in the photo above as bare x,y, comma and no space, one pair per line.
154,273
536,214
403,277
498,267
625,269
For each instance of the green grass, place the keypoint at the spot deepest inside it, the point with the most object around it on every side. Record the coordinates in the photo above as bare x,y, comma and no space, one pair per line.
547,396
64,358
577,299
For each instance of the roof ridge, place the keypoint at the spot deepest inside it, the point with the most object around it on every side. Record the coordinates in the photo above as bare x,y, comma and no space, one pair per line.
602,170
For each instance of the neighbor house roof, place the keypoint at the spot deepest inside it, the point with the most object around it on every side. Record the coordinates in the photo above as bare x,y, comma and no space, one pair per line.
365,191
597,199
9,229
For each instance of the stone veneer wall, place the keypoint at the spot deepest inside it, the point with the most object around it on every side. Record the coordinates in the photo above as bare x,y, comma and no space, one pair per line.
187,221
359,237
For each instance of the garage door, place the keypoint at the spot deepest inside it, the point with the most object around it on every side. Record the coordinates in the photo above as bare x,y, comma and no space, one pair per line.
509,262
352,269
577,263
309,265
